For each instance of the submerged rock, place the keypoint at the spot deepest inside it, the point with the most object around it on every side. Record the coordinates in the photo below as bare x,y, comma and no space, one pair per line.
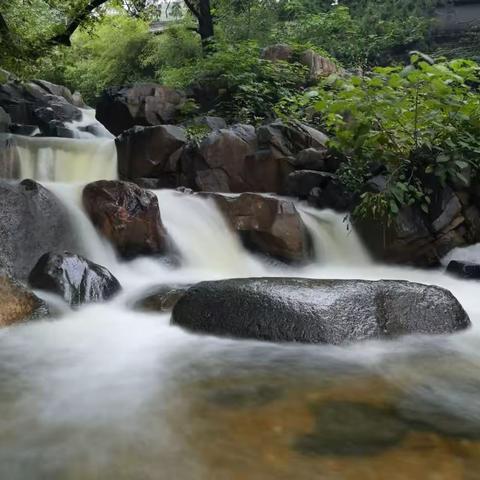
73,277
32,221
18,303
128,216
267,225
161,299
318,311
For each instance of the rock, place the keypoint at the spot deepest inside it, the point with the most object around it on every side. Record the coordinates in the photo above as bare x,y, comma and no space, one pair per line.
151,152
317,65
9,157
280,51
288,139
128,216
61,91
311,159
444,209
5,121
161,299
318,311
464,269
18,304
333,196
50,108
302,182
74,278
32,221
225,161
267,225
148,104
211,123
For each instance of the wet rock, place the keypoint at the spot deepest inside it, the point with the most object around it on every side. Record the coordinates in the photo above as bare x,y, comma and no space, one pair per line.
332,195
267,225
62,91
32,221
301,182
151,152
161,299
148,104
74,278
464,269
128,216
348,428
445,208
5,121
318,311
18,304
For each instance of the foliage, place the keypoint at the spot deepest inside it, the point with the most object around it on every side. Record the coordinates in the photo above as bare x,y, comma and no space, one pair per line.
356,40
245,87
415,124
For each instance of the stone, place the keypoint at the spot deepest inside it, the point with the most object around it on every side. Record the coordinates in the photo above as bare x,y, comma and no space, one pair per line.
464,269
76,279
18,304
144,104
318,65
311,159
301,182
127,216
278,52
267,225
210,123
33,221
161,299
5,121
318,311
151,152
332,195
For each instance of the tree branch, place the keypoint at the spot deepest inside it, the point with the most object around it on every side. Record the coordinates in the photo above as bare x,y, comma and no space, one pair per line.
4,30
75,22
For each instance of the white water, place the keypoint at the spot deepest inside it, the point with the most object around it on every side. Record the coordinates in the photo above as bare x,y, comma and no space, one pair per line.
101,393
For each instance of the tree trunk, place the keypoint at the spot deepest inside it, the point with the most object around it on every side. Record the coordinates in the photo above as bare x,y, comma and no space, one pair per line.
202,11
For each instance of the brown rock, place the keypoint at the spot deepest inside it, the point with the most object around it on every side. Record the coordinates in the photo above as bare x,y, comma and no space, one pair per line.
279,51
128,216
267,225
18,304
318,66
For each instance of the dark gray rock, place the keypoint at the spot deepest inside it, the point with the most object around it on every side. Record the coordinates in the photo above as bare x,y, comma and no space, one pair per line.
5,121
333,196
311,159
211,123
151,152
74,278
302,182
318,311
148,104
464,269
32,222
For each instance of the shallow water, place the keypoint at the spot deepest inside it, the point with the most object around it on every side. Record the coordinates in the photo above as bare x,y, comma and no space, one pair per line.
108,393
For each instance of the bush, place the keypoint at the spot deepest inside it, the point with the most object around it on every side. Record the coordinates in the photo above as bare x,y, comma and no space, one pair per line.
246,87
415,123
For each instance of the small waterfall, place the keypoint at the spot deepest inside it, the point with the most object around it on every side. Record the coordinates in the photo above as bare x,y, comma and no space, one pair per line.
202,235
48,159
88,126
334,242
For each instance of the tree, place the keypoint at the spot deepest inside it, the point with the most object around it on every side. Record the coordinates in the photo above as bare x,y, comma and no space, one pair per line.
202,11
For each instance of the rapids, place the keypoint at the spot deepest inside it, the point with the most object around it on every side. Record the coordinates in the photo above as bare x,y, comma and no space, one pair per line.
107,393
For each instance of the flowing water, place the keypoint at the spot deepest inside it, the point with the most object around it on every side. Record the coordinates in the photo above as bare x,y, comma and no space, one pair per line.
108,393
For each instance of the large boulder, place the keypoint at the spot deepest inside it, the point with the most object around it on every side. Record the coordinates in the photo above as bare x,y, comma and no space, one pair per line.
267,225
318,311
32,222
128,216
18,304
151,152
301,182
148,104
74,278
467,270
